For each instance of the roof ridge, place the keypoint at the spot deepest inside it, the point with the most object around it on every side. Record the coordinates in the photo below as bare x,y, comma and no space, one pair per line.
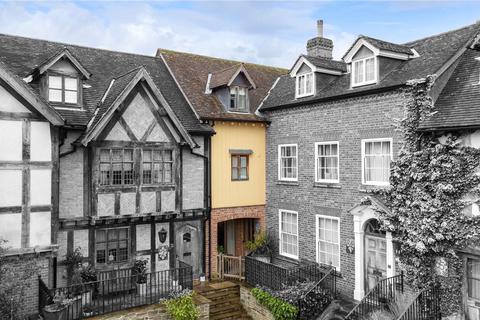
128,72
236,66
410,43
79,46
377,39
161,50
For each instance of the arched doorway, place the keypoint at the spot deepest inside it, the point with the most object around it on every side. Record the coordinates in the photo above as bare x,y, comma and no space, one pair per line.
375,254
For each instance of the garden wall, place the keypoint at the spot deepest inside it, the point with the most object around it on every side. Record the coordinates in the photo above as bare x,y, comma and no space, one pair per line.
253,308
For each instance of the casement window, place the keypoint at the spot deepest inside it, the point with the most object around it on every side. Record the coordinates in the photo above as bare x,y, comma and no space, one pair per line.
364,71
377,155
328,240
473,278
116,167
238,98
288,228
305,85
157,166
111,245
327,162
239,167
62,89
287,162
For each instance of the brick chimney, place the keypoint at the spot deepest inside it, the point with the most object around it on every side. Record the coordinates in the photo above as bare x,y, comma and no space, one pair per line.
320,46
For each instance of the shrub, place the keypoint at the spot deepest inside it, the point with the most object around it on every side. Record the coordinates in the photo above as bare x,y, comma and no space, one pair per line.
140,271
182,306
281,310
263,244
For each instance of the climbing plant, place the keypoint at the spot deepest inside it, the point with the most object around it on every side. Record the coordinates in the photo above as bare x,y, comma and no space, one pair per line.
429,184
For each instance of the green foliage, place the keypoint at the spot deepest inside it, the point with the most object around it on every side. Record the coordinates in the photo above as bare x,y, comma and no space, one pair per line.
263,244
182,307
221,249
14,283
140,270
429,184
280,309
73,262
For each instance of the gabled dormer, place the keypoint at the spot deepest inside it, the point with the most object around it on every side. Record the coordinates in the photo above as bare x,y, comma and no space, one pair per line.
369,58
231,86
61,80
316,69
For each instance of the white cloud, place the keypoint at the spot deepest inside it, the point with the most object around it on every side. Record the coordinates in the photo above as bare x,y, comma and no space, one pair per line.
265,33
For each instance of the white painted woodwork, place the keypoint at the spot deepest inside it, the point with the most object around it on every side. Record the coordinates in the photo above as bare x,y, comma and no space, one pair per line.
40,187
143,237
9,103
106,204
40,141
117,133
127,203
10,140
11,229
10,188
148,202
138,116
40,228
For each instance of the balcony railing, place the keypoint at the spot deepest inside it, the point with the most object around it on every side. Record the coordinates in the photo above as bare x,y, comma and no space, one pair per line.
111,294
425,306
378,298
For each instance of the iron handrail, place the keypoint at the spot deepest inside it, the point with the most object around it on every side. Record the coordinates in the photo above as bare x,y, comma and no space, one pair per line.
413,312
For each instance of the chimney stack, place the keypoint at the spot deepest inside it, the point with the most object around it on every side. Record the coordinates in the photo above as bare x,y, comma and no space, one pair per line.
319,46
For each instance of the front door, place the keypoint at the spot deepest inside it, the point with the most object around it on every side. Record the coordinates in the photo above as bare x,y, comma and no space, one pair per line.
473,288
375,260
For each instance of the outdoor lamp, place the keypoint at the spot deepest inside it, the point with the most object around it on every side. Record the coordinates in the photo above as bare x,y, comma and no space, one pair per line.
162,235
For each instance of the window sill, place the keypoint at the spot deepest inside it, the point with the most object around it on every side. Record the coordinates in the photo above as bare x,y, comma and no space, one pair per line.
369,188
287,183
332,185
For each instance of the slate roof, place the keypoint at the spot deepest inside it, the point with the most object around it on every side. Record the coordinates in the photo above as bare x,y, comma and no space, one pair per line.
459,102
22,55
222,77
390,46
191,72
434,52
327,63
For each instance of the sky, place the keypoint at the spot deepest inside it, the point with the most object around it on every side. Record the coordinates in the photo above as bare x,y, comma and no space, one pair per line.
265,32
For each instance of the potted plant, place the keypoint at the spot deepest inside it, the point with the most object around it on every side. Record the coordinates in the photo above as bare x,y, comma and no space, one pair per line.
89,276
261,247
139,271
58,309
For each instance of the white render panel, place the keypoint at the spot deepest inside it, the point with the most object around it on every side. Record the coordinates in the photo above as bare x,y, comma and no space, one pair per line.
158,135
11,143
106,204
149,202
40,187
128,203
168,201
9,103
80,240
138,116
143,237
40,229
11,229
117,133
41,142
10,188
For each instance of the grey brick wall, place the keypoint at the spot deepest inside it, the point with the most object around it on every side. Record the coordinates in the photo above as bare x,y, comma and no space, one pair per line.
347,121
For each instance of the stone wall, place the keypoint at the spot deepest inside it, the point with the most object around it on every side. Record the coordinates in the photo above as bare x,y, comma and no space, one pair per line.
155,312
253,308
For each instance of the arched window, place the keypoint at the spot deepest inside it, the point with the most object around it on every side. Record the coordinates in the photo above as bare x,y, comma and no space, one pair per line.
187,237
372,227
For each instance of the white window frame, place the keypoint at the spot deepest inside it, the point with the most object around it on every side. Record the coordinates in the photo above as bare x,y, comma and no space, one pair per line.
323,143
375,71
305,93
280,250
375,183
317,236
280,161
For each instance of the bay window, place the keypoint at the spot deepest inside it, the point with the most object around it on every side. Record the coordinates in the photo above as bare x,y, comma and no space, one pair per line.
116,167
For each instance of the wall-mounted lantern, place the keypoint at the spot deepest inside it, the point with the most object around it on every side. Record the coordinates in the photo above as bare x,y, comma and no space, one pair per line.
162,235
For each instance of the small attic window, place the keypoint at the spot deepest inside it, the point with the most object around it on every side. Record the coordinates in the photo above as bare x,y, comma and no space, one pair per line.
304,84
238,98
364,71
63,89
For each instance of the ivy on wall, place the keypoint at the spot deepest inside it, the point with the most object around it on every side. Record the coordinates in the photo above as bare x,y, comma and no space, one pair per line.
428,187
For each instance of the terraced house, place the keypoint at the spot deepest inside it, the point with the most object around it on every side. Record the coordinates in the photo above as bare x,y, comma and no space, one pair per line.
104,155
225,95
331,140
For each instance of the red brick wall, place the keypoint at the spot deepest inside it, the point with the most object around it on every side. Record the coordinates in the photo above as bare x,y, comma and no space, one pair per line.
224,214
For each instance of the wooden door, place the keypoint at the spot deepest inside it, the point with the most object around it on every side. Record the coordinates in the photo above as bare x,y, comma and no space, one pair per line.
473,288
375,261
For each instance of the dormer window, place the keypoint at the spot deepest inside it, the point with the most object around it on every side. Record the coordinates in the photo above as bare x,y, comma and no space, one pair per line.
305,85
238,98
364,71
62,89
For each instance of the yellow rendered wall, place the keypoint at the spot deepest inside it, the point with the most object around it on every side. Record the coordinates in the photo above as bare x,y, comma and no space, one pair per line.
238,135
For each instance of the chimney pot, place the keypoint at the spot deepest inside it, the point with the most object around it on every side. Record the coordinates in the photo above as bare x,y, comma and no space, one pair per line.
320,28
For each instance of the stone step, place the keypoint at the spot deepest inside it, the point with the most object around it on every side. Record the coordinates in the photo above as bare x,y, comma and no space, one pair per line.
234,315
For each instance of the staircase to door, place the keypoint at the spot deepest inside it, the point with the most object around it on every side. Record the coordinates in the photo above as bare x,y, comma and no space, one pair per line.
225,300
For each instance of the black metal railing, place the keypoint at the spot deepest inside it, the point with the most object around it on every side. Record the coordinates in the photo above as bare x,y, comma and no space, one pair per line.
318,298
425,306
275,277
378,298
117,293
